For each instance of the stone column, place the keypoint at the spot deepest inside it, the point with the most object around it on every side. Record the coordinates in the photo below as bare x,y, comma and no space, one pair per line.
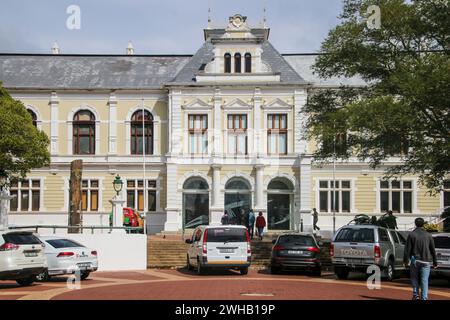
117,204
4,208
175,133
218,145
112,141
217,208
174,221
301,145
54,102
305,193
257,132
260,200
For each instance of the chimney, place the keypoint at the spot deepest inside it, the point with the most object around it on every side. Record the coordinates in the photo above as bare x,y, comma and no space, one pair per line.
55,48
130,49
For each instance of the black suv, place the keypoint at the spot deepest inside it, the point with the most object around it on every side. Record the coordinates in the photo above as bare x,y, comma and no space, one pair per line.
295,251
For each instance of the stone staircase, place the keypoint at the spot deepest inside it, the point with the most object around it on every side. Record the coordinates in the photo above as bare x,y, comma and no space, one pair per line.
171,252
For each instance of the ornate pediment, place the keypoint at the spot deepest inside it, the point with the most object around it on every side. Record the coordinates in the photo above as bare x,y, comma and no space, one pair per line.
277,103
236,103
197,104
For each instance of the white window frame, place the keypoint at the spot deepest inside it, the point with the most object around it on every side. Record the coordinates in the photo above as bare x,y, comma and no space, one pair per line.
70,130
329,190
89,188
145,189
247,135
29,190
209,131
413,191
288,133
441,202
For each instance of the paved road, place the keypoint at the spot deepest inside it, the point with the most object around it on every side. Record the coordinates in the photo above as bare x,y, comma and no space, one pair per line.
229,285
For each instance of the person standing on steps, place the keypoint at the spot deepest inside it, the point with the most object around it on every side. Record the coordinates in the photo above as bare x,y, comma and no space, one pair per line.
421,255
260,225
315,219
251,222
225,219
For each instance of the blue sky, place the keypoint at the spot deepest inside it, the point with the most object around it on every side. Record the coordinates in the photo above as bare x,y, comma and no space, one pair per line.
157,26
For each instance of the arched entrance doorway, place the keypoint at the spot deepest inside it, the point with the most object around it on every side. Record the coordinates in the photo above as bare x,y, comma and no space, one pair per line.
280,193
238,199
195,203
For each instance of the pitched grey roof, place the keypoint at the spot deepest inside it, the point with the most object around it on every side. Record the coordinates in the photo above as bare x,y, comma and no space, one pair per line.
302,63
88,71
270,56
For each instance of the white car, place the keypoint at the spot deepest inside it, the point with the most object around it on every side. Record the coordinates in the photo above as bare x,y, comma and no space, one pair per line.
226,247
66,256
21,257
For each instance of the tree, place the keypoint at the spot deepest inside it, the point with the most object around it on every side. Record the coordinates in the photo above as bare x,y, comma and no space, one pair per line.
403,110
22,146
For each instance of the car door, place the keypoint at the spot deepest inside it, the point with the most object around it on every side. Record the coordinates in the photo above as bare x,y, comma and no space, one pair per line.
398,249
194,247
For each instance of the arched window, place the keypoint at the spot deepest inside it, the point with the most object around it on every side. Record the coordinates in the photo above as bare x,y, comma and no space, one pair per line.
33,117
84,132
238,200
195,202
141,132
248,63
280,195
237,63
227,61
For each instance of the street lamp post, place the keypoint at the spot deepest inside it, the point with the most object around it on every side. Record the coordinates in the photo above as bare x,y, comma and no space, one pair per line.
118,185
117,205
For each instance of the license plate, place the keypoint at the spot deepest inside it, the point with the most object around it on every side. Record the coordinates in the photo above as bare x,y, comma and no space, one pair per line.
30,254
84,265
226,251
295,252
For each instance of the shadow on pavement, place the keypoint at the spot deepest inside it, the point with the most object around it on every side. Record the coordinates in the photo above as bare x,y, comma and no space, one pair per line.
294,272
209,272
377,298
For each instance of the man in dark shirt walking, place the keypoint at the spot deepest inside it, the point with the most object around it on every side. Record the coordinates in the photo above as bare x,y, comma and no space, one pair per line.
421,255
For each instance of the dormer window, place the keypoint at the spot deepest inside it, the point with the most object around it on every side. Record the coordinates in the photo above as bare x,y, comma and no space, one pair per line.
237,63
248,63
227,58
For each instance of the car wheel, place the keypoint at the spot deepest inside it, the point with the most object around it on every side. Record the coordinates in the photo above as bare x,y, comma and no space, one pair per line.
341,273
26,281
84,275
317,272
275,270
244,271
43,276
390,271
188,263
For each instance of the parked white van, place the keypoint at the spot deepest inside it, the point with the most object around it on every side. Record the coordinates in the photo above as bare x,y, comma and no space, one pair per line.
226,247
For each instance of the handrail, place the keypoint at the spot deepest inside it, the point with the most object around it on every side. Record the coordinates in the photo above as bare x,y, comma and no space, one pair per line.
92,228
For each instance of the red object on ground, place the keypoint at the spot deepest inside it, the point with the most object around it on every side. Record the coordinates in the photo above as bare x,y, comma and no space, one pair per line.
130,215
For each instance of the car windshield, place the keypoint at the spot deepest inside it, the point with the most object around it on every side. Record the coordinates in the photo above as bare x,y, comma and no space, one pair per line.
355,235
21,238
226,235
297,240
442,242
63,243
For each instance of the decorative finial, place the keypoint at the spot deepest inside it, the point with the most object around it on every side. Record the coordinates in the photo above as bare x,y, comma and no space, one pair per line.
130,49
55,48
209,15
264,17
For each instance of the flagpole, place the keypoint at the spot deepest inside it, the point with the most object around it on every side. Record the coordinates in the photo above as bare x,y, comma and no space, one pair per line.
144,136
